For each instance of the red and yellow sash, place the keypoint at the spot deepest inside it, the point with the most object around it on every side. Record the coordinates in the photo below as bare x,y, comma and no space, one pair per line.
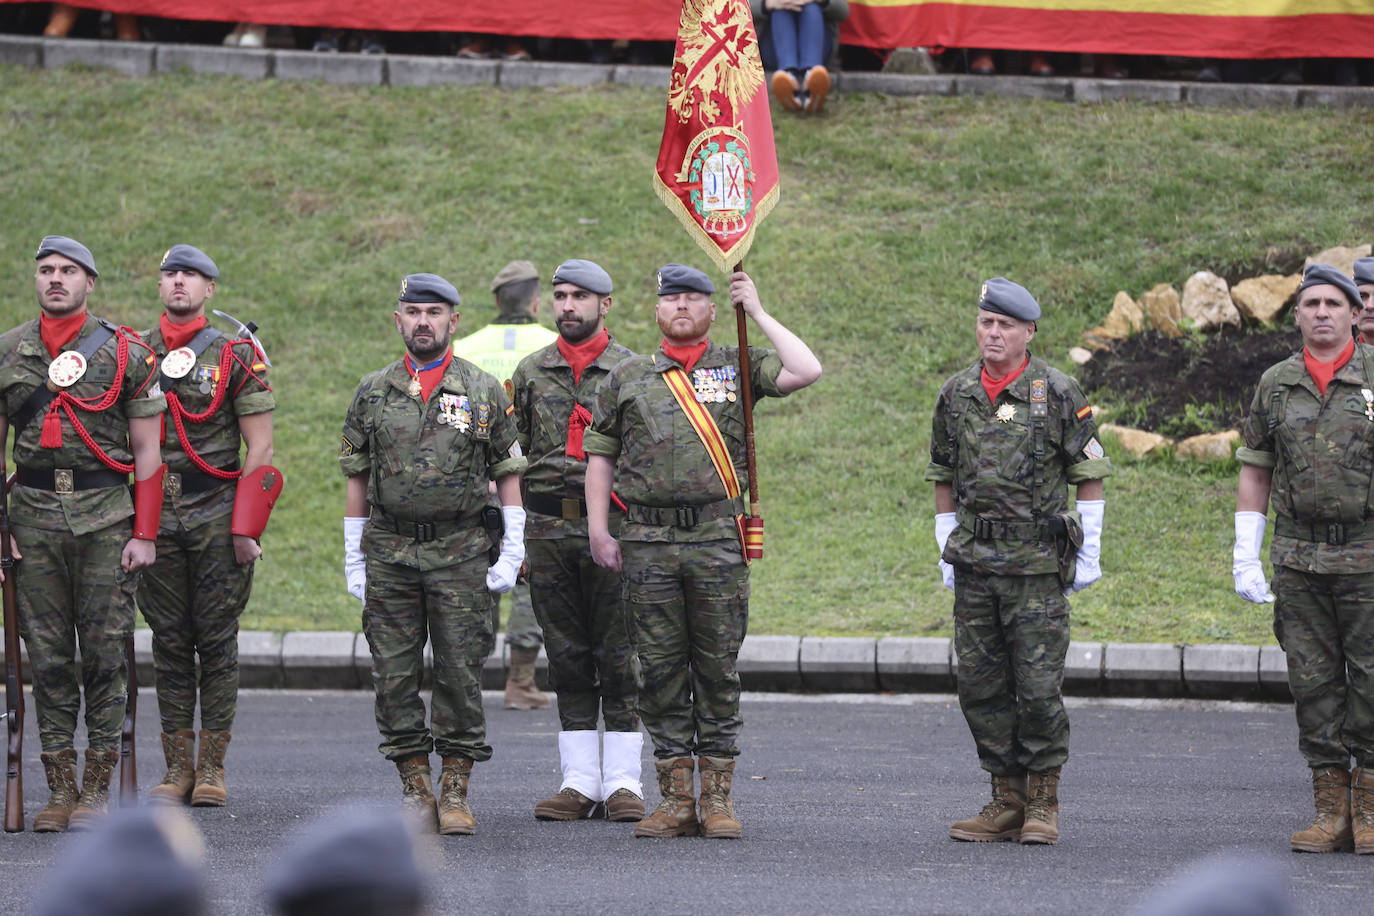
706,428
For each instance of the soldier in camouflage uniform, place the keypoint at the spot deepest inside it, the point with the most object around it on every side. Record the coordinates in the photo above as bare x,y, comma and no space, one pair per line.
422,438
588,635
1364,282
1309,443
497,349
1009,435
192,597
686,580
71,516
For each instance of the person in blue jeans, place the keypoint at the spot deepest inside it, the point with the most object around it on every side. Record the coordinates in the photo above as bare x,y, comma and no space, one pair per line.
796,38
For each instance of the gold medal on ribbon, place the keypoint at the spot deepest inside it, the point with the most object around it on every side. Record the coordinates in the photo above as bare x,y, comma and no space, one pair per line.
414,388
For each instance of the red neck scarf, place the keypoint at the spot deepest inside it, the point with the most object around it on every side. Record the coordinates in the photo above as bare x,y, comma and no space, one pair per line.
429,376
1321,372
58,332
581,355
687,356
995,386
176,336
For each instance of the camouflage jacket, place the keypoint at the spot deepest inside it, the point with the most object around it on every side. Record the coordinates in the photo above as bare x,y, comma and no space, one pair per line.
544,395
216,439
660,459
24,367
987,453
1321,450
429,462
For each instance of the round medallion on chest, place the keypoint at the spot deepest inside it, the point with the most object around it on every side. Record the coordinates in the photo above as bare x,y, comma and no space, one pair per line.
179,362
66,370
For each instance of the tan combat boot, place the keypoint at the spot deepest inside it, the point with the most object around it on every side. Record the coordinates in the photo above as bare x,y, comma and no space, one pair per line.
718,819
178,748
1000,818
1362,813
211,790
94,801
455,817
676,815
417,798
521,692
1330,832
1042,808
60,768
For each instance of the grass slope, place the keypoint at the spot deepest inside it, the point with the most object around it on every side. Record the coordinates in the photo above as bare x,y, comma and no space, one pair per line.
316,199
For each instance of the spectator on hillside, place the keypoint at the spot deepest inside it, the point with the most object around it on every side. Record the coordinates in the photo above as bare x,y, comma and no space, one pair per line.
796,40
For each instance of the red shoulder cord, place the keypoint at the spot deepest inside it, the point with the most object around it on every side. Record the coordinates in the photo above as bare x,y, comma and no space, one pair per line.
180,414
69,404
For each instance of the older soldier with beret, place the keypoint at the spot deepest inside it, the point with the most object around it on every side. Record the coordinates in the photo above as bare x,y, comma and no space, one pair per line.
212,516
497,349
422,439
1009,435
686,578
587,634
82,399
1308,450
1364,282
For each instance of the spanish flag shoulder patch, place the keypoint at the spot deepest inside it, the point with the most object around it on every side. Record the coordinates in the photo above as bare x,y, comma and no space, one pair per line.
510,409
1084,412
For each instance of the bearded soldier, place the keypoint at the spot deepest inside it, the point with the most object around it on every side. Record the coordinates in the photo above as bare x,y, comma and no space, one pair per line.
82,398
422,439
213,513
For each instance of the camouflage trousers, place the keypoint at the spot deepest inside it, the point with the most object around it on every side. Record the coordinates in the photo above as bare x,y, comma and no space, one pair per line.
522,626
690,604
1011,635
71,587
588,636
192,598
452,608
1325,624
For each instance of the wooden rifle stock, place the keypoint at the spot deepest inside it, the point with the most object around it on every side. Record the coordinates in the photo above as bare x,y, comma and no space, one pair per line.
14,685
128,753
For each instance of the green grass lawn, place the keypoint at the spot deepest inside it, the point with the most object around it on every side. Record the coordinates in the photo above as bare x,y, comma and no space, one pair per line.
316,199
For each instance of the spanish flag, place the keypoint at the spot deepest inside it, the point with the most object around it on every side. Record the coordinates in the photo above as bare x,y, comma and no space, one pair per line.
717,169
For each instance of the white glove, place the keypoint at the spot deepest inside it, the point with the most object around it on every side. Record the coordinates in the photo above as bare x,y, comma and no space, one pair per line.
355,569
1088,569
1245,560
501,576
944,527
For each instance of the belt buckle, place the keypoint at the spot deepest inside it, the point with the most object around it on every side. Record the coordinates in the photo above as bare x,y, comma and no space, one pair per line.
572,509
172,484
424,532
982,529
1335,534
687,516
64,481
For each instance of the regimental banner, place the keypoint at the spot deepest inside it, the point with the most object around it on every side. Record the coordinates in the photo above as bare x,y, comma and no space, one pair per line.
717,169
1187,28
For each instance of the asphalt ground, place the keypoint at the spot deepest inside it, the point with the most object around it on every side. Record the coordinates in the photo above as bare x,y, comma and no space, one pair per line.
845,799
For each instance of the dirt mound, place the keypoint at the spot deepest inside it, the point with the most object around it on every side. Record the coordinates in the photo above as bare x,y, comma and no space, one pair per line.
1183,386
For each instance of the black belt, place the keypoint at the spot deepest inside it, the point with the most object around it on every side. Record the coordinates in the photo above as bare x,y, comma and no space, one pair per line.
1333,533
989,529
66,480
178,484
424,532
679,516
566,508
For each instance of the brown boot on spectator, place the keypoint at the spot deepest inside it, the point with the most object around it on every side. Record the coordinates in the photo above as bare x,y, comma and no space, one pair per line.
61,22
60,768
126,27
785,89
1040,65
817,87
473,49
982,64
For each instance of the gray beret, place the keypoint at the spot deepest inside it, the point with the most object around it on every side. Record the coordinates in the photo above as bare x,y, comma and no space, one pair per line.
354,857
188,257
125,867
514,272
679,278
1004,297
1325,274
1364,270
68,248
427,288
586,274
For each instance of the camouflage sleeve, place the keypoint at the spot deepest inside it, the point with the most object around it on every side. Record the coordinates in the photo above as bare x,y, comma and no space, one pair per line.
1259,448
353,455
251,390
522,400
142,397
504,455
603,438
765,366
941,466
1084,457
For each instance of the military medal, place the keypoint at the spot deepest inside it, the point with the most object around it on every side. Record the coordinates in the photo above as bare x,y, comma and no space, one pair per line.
414,390
1005,413
66,370
483,431
178,362
1368,402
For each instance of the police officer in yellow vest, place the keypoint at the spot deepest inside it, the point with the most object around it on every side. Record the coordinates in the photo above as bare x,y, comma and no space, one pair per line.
498,349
